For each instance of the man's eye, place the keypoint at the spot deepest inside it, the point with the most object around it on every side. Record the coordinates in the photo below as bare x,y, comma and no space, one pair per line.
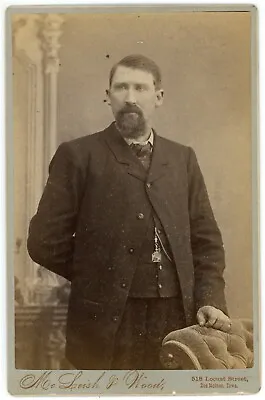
139,88
120,87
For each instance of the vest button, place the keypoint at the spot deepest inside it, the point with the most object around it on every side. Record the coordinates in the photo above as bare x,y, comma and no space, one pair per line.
115,318
148,185
160,286
131,250
160,267
123,285
140,216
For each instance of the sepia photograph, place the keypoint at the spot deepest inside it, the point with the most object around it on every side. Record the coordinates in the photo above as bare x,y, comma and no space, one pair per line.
133,228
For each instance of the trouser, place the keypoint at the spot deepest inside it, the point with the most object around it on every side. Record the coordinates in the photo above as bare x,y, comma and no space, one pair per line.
145,323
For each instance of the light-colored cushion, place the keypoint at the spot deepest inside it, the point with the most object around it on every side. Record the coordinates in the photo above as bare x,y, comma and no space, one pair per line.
198,347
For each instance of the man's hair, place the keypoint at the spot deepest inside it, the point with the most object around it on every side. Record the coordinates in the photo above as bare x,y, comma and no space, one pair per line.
138,61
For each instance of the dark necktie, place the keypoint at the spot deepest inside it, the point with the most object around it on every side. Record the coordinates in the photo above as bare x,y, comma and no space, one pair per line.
143,152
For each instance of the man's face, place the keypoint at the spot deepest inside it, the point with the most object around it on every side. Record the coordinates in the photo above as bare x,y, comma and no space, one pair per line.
133,99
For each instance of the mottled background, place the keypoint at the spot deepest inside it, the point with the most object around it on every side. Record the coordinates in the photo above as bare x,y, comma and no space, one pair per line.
205,62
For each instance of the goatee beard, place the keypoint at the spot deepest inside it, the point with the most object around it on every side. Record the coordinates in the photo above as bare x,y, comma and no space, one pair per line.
130,122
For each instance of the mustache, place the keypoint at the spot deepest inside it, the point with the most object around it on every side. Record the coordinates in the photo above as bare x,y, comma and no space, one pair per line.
130,109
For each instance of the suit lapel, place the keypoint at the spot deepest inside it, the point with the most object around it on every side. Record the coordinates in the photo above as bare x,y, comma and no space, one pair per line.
124,155
160,161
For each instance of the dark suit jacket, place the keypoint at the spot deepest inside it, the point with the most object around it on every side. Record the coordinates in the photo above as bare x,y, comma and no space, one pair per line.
87,229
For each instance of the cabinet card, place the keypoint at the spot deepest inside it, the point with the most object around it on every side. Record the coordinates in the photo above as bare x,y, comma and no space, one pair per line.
132,167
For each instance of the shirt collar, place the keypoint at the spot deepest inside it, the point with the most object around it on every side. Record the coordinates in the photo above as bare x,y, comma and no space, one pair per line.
149,140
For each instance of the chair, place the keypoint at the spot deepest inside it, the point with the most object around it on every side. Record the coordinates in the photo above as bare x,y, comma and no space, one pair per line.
196,347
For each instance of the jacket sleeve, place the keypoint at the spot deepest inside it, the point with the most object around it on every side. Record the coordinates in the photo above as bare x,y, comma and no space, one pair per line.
206,242
52,229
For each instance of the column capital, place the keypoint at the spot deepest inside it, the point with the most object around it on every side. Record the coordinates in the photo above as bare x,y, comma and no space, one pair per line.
51,32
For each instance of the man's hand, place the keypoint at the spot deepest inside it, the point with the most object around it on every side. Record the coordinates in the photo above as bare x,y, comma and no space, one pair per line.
211,317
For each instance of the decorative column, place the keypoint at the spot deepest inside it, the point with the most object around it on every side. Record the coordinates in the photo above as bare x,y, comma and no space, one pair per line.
51,33
27,88
35,70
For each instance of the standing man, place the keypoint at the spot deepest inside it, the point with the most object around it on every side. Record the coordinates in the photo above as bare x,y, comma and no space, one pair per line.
125,216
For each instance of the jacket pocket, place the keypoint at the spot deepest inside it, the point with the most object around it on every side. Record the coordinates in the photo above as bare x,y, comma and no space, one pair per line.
92,309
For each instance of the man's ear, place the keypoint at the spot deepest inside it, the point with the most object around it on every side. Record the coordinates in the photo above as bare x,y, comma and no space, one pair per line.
108,98
159,97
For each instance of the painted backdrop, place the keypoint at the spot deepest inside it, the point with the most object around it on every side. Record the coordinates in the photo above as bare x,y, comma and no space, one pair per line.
205,62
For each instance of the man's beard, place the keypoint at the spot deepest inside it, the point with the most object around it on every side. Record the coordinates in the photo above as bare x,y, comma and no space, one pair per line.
130,121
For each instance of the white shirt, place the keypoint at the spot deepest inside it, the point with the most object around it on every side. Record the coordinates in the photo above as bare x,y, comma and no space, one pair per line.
134,141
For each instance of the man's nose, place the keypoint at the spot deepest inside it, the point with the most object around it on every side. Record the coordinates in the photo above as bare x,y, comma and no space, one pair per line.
130,97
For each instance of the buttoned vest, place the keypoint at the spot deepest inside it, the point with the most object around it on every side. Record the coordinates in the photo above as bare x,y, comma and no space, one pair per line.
154,279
